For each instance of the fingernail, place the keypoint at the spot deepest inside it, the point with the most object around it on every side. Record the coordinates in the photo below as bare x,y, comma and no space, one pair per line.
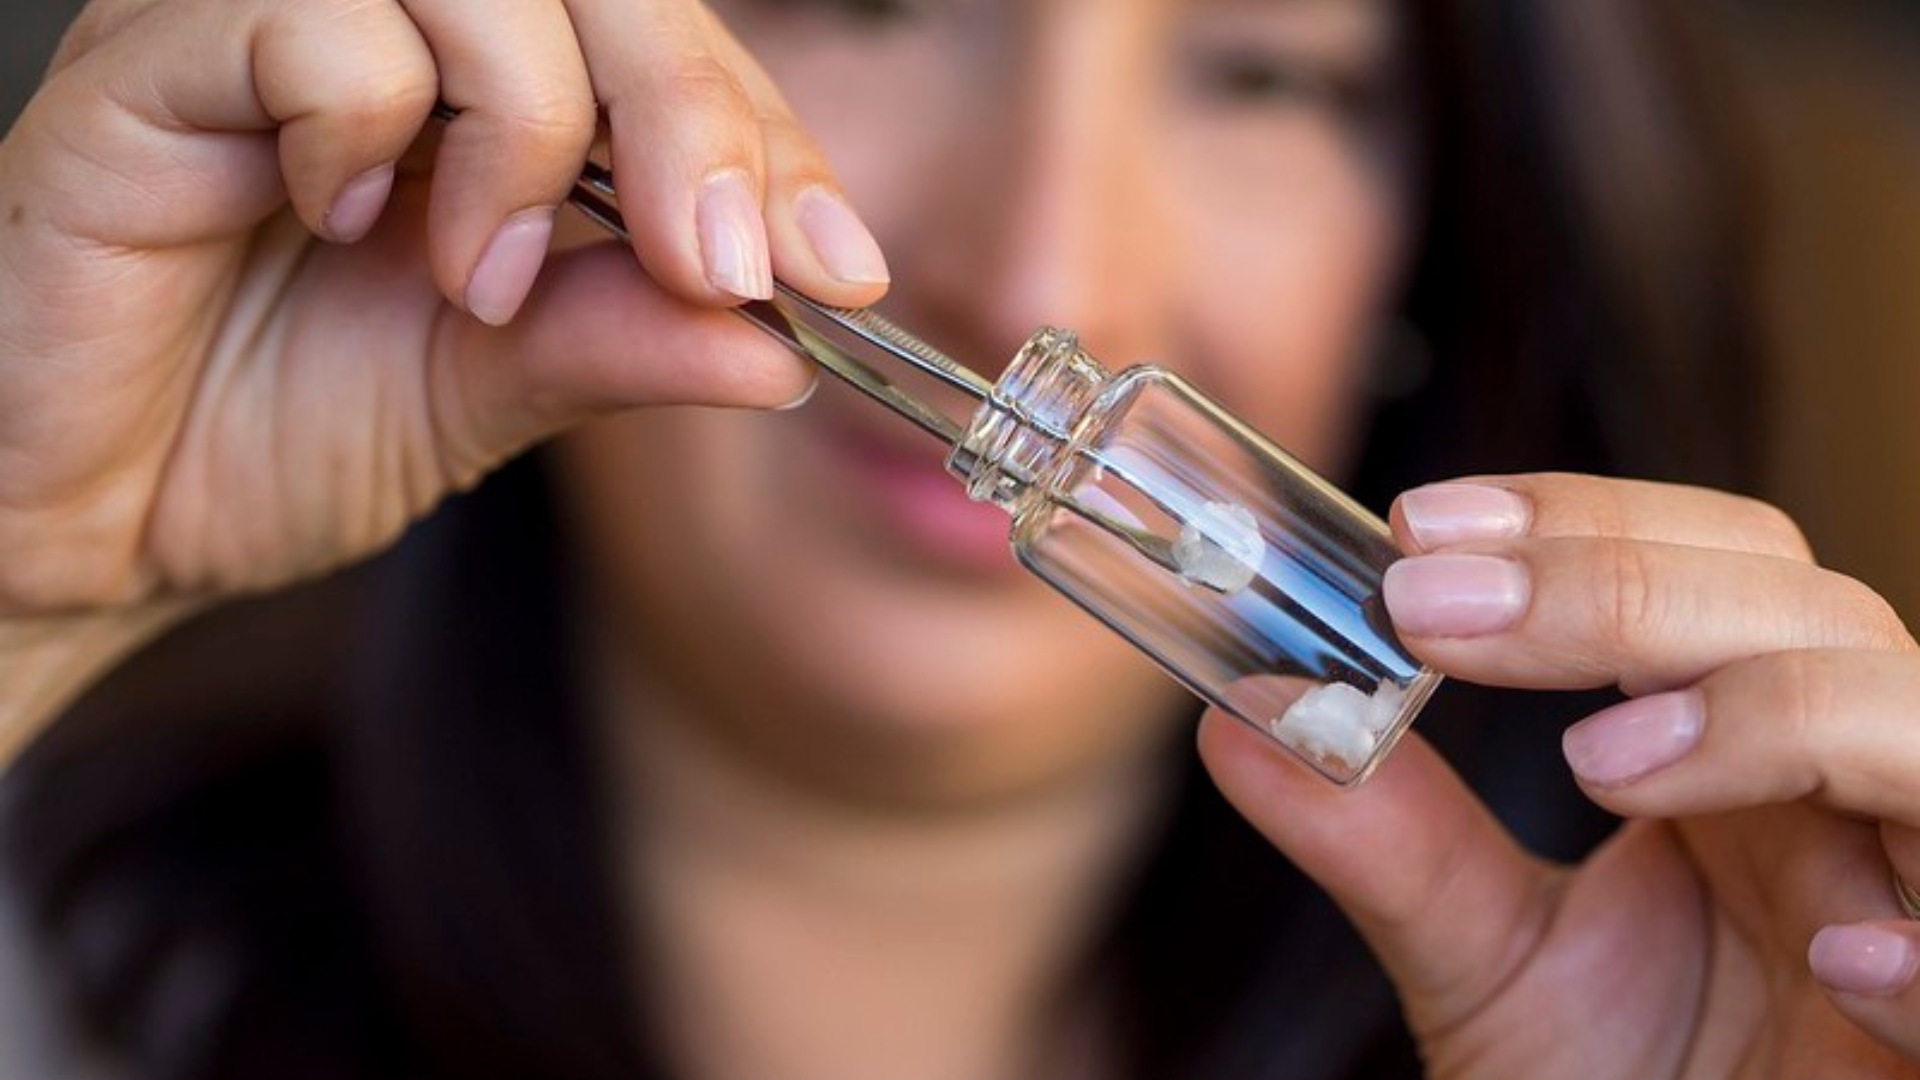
1443,514
840,240
733,237
1630,740
805,395
506,270
358,205
1864,960
1455,595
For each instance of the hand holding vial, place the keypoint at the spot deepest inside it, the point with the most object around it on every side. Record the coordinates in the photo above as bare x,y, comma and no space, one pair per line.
1749,761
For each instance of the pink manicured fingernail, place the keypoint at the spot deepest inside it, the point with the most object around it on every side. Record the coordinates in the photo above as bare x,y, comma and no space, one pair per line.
357,207
505,273
733,237
1630,740
1443,514
839,239
1455,595
1865,960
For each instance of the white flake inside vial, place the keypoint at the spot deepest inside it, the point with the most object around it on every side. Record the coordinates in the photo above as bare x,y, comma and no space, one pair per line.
1338,722
1220,547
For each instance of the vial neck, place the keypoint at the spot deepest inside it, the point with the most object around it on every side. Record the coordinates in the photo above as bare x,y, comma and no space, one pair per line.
1018,439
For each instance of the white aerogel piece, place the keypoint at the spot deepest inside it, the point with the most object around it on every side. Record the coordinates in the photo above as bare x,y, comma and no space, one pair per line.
1220,547
1338,722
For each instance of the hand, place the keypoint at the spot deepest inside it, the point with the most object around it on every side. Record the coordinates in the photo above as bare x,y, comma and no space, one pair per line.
197,396
1743,922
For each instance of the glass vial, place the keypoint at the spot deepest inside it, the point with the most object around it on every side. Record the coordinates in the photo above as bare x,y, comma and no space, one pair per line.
1248,578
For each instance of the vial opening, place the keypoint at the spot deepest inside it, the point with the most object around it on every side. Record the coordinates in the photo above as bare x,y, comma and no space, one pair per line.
1016,437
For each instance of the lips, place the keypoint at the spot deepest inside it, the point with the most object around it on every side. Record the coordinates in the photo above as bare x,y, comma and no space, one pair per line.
900,480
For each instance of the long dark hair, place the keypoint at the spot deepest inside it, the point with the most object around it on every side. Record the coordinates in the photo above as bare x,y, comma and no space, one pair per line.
353,830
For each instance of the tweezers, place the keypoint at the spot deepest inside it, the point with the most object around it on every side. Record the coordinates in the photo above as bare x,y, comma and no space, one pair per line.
803,324
790,318
800,323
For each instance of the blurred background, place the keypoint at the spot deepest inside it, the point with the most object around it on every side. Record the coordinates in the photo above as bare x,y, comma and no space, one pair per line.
1815,107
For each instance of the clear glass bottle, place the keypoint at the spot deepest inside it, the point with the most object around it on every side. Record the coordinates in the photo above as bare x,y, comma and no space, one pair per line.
1250,579
1244,575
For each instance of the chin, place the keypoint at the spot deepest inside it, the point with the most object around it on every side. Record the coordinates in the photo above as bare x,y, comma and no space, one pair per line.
956,686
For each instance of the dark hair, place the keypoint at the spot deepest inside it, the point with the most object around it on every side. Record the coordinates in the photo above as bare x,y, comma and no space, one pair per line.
362,838
1581,287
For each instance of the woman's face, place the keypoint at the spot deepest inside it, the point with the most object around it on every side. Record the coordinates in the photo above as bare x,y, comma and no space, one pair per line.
1161,176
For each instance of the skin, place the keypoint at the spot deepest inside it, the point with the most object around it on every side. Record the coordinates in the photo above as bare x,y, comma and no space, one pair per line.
1681,948
160,449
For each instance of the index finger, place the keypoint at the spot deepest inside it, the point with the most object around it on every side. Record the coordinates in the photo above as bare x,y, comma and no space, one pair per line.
1546,505
719,184
1584,613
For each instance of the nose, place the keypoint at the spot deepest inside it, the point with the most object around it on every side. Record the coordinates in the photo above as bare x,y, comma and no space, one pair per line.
1043,210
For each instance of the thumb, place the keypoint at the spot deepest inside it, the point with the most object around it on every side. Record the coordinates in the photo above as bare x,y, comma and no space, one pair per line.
595,336
1444,896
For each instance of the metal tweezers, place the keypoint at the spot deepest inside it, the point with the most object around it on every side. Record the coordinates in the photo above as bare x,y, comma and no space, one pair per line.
789,315
794,320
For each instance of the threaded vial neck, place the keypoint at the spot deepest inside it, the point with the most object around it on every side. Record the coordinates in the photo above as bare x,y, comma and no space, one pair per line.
1016,437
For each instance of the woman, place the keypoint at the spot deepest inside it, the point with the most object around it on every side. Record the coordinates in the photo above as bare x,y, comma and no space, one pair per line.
756,760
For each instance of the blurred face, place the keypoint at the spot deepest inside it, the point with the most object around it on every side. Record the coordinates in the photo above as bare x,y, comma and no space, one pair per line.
1212,185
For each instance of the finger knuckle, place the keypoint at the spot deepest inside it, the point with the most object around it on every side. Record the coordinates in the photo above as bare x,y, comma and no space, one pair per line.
1575,504
1806,686
369,24
1627,596
376,100
792,151
1777,528
337,11
359,67
703,86
1607,513
1863,617
403,87
549,121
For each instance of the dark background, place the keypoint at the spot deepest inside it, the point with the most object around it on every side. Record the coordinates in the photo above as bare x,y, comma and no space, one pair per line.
29,29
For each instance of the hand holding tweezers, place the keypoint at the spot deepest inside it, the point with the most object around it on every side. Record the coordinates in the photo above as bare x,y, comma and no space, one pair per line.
802,324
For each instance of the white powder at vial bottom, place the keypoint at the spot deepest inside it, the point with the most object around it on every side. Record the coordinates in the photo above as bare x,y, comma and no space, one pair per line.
1336,721
1220,547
